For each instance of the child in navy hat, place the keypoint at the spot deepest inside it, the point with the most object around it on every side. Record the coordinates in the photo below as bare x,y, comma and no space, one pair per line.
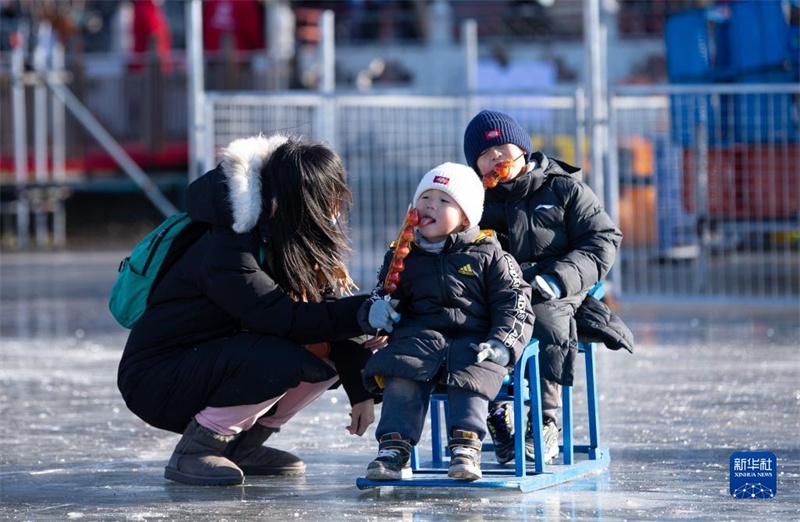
463,317
495,129
554,226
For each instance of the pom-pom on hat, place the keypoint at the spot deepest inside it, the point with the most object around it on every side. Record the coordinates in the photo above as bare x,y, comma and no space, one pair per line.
460,183
491,128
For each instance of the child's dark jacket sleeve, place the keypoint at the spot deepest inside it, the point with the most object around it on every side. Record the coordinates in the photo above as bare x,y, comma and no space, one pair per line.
594,240
509,301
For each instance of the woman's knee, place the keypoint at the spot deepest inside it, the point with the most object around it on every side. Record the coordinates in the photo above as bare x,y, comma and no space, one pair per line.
266,357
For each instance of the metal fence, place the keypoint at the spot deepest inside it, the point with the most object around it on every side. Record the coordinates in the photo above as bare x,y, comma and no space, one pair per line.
708,176
710,190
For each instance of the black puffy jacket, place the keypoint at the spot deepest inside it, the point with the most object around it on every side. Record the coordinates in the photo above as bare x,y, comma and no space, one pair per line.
558,225
218,288
553,224
469,293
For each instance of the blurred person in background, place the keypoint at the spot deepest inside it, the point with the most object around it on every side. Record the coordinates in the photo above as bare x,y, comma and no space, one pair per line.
241,22
150,35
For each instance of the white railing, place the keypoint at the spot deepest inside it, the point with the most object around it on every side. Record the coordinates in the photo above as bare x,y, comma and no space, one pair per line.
706,177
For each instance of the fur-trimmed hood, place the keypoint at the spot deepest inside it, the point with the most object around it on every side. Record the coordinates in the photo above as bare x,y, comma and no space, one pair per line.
230,194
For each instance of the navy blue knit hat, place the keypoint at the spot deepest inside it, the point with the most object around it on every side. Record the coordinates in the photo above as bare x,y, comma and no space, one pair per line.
491,128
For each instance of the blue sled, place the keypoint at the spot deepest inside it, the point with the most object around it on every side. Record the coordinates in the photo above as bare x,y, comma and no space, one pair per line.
495,477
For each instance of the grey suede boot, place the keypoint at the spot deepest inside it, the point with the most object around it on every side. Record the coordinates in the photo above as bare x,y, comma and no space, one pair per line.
254,459
198,459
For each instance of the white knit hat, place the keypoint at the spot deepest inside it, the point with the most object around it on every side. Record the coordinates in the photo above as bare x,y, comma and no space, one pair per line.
460,183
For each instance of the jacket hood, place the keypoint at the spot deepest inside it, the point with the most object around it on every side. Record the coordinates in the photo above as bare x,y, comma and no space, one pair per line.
231,193
557,167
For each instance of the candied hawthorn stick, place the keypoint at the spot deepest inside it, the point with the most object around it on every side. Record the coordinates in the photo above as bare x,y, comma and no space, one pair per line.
501,172
401,250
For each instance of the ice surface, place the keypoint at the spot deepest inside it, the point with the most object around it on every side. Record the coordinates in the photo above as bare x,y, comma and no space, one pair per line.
705,382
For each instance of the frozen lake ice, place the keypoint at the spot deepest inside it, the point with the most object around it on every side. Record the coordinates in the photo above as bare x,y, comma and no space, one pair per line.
706,381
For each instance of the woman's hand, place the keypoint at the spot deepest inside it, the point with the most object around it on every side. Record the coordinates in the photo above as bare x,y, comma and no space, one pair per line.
361,416
377,342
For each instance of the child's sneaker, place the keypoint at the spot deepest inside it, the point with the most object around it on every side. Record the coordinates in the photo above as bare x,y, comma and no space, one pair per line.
392,462
550,435
465,456
501,428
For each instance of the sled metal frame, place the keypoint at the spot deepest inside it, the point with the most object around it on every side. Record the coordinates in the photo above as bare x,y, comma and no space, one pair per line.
524,476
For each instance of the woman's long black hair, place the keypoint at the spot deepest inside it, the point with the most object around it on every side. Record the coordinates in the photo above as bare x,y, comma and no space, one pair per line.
306,201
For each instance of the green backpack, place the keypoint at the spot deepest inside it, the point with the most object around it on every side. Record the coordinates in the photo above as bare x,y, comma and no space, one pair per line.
151,258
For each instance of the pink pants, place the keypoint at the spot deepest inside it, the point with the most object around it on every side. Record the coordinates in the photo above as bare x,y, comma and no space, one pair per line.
235,419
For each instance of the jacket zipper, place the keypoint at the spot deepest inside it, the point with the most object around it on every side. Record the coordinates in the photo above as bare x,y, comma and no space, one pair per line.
157,241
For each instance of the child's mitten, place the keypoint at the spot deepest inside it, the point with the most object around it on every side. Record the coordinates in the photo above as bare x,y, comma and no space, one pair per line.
492,350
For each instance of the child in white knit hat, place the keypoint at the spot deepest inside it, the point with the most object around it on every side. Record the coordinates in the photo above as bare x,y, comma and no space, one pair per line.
462,318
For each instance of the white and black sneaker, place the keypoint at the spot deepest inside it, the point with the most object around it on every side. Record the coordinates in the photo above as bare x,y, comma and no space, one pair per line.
550,435
393,460
465,456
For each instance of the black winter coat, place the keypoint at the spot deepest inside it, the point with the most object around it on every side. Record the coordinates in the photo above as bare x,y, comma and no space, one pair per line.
219,290
469,293
558,225
552,223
